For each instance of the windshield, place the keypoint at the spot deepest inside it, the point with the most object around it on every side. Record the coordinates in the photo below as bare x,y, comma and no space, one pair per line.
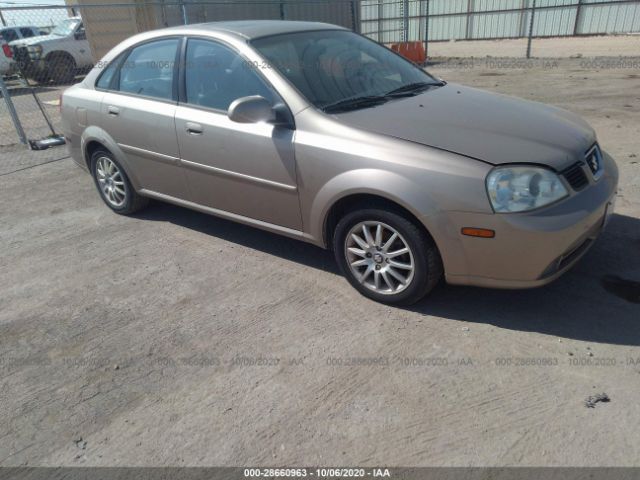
65,28
331,67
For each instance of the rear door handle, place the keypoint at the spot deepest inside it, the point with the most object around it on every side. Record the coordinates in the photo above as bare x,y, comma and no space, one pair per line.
193,128
111,110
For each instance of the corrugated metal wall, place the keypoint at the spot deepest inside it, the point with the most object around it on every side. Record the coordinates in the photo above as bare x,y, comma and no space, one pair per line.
405,20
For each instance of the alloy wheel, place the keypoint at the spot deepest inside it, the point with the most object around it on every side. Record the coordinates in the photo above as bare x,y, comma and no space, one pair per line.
111,182
379,257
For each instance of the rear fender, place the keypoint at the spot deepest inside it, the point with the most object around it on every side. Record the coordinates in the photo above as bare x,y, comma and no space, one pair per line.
97,134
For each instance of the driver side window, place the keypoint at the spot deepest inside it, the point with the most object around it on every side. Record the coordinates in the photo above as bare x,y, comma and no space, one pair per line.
215,76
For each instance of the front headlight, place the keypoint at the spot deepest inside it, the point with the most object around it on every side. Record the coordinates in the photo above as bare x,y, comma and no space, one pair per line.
519,188
34,50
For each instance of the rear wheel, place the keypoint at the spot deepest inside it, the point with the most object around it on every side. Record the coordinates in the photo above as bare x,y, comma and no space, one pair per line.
386,257
113,184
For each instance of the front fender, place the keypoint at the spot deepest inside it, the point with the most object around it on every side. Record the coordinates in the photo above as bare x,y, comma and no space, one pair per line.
406,193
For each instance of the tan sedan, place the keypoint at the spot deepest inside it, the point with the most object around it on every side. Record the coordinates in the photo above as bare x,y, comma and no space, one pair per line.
320,134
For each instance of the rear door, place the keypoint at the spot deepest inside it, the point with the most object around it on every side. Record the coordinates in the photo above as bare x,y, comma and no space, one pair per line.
138,111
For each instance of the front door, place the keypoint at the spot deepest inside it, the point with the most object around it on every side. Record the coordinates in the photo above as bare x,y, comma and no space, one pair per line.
246,169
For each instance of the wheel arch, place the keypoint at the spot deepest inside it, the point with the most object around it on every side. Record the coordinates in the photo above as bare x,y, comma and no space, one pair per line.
94,138
60,53
378,188
357,201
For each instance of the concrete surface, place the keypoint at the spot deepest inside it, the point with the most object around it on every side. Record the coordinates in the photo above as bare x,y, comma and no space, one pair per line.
174,338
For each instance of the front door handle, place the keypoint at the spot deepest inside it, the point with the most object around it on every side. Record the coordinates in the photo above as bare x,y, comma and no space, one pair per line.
111,110
193,128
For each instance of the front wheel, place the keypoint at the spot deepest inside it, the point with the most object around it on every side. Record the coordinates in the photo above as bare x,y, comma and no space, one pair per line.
61,68
386,257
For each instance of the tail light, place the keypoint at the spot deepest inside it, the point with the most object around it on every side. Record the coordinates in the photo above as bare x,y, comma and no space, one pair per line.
7,50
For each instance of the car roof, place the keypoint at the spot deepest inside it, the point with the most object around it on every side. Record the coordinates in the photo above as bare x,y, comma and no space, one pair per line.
251,29
14,27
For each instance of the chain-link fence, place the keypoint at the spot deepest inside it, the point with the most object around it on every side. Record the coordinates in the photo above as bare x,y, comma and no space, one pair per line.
45,48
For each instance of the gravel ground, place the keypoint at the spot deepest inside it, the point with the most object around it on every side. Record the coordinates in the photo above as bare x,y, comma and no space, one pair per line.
174,338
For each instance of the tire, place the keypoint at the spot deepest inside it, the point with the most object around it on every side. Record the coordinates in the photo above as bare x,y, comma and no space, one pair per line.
382,258
37,76
113,185
61,68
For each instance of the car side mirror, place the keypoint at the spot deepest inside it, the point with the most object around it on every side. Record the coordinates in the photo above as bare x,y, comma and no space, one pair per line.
82,35
252,109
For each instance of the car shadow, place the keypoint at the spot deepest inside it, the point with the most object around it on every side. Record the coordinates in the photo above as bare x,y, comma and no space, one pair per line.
261,240
596,301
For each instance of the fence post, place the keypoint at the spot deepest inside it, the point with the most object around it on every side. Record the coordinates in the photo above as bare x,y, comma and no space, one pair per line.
380,22
405,21
12,112
282,15
578,14
533,12
354,20
426,32
185,20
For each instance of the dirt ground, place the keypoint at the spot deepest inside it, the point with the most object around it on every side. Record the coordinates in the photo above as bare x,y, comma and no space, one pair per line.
565,47
174,338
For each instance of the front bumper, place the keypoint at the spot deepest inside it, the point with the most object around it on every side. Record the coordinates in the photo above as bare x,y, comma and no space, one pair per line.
27,62
532,249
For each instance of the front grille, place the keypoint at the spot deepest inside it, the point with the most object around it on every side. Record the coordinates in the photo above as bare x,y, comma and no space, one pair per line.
575,176
593,157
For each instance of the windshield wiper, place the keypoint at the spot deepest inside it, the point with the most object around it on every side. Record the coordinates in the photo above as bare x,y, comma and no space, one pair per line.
354,103
373,100
412,89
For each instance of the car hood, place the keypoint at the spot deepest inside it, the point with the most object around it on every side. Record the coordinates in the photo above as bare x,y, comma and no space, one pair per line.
25,42
490,127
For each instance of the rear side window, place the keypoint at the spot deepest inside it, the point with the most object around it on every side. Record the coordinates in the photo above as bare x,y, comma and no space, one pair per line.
104,81
149,69
9,35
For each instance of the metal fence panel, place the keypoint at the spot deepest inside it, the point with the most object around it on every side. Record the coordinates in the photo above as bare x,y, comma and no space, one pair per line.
385,20
607,19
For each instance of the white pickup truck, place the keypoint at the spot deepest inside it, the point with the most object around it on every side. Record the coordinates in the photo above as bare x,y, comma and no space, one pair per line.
11,34
57,56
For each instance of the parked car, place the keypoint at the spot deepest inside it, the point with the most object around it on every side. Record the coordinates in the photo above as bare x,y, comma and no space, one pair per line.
320,134
8,35
57,56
